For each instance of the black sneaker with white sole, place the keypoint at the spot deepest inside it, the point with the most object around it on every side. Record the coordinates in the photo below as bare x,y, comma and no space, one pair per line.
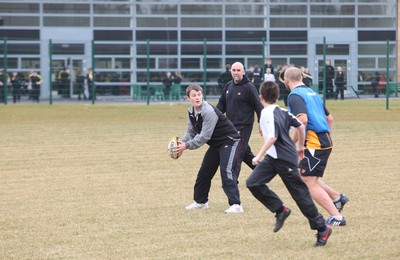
280,218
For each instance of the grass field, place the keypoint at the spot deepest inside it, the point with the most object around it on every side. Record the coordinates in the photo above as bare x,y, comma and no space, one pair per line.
95,182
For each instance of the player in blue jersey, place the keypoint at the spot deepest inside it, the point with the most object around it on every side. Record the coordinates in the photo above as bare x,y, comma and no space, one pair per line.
308,107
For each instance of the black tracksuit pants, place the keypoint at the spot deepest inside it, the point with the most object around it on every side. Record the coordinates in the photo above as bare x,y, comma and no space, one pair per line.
265,171
223,157
246,155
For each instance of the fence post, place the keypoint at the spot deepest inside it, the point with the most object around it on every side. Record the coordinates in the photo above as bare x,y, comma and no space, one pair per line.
324,73
5,74
387,75
93,85
263,59
205,68
51,71
148,71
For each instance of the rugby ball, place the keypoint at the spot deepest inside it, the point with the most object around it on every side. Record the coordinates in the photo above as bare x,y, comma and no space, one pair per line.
172,144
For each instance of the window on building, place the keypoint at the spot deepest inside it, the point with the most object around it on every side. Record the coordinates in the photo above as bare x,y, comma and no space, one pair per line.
30,63
164,35
201,9
157,22
112,22
67,48
288,49
236,49
247,35
21,49
149,9
112,35
201,35
333,49
376,49
336,9
19,21
332,22
122,63
190,63
22,8
62,21
16,34
244,9
282,9
194,22
288,22
66,8
288,36
367,63
12,63
376,22
112,9
244,22
112,49
141,63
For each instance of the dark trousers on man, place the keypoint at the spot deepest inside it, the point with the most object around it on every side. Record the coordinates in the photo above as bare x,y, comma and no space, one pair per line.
267,169
223,157
245,155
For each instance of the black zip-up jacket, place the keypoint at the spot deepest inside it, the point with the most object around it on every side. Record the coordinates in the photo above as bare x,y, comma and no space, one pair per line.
208,126
239,102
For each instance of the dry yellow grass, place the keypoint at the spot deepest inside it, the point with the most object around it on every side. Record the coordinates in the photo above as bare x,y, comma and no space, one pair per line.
95,182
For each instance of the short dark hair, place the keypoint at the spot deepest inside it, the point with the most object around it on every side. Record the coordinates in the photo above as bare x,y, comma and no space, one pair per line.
269,91
193,86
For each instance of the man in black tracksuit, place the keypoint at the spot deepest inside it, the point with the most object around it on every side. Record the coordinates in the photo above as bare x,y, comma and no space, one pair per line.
206,124
239,100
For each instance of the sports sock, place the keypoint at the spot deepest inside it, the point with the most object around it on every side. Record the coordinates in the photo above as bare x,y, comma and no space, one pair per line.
322,229
280,210
337,199
338,217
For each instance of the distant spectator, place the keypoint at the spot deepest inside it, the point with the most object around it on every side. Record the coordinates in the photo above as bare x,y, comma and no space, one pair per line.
225,77
340,82
257,78
307,78
382,84
374,84
268,76
268,64
16,83
35,80
329,76
167,81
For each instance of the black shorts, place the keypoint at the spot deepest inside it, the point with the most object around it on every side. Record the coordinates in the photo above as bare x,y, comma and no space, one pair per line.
314,164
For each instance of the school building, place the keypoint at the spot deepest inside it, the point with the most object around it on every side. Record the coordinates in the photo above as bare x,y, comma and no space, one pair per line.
133,41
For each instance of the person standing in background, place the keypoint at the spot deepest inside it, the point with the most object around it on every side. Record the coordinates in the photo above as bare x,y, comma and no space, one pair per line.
89,80
307,78
268,64
35,80
257,77
239,100
268,76
340,82
16,83
330,75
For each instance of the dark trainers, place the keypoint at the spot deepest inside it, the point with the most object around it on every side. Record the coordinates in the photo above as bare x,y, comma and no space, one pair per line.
342,200
322,237
332,221
280,218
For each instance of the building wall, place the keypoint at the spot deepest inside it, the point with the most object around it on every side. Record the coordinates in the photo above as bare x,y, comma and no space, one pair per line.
179,32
